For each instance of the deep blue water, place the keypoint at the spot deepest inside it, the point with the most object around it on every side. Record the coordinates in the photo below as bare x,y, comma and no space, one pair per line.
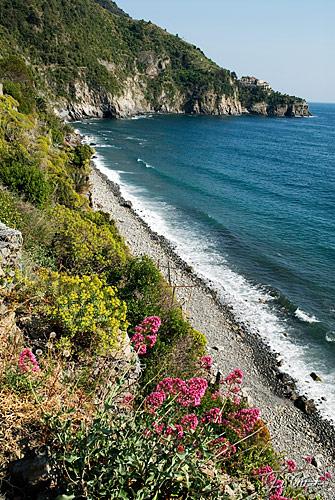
249,201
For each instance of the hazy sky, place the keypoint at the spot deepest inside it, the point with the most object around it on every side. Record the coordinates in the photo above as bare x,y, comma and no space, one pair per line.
290,43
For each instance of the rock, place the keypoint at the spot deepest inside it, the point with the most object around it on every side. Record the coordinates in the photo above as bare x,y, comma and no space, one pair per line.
286,379
126,204
29,471
217,348
307,406
246,396
315,377
317,461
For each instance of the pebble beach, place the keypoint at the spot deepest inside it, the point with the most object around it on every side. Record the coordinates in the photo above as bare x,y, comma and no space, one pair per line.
293,432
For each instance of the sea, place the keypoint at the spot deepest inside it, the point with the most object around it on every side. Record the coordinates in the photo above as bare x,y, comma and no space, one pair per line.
249,202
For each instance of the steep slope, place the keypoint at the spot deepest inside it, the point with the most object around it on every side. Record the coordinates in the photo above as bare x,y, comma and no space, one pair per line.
91,59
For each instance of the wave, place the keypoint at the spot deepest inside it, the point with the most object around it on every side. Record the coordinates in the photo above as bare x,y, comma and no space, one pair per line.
300,314
131,138
330,337
252,305
140,117
139,160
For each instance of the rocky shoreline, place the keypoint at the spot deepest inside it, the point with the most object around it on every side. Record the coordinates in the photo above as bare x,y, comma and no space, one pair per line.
295,424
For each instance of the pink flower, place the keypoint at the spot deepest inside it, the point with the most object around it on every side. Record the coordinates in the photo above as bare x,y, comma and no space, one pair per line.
213,416
27,354
146,334
266,474
235,377
291,465
152,339
247,417
326,476
142,349
190,421
206,362
190,392
155,401
179,430
158,427
308,459
128,399
278,487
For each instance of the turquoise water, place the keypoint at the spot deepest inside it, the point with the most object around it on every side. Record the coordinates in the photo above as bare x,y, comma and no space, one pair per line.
249,201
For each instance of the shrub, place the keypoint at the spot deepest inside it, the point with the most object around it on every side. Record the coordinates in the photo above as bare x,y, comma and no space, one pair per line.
84,310
170,447
28,180
143,288
86,243
79,167
9,212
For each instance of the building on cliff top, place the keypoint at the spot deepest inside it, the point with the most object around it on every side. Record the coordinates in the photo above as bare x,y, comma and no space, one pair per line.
252,81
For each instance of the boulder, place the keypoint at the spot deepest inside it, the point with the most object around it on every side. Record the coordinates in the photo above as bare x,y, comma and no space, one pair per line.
307,406
315,377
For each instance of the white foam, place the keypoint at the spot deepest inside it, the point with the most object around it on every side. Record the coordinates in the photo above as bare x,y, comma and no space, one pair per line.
251,304
330,337
140,117
131,138
139,160
300,314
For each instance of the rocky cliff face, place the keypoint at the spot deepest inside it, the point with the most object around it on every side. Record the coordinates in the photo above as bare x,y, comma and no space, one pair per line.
94,60
133,101
294,109
90,103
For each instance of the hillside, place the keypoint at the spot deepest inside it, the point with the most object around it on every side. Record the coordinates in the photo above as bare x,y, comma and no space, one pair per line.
91,59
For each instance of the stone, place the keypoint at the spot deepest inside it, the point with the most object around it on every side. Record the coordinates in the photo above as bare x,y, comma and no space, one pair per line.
315,377
307,406
126,204
317,461
29,471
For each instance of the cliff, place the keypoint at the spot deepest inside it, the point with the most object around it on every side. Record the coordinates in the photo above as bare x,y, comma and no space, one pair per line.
91,59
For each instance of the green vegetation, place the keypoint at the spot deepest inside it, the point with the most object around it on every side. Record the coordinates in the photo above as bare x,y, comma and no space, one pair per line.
74,314
65,371
95,43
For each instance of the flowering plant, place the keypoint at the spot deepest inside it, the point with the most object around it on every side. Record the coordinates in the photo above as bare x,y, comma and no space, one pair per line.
146,334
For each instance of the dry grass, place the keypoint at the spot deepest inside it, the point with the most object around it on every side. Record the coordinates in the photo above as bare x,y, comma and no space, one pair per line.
61,385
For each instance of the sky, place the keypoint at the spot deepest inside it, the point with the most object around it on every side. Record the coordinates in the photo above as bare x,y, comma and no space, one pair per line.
289,43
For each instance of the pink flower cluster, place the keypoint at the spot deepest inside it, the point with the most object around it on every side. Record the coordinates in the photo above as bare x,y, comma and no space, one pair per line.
326,476
247,418
190,422
206,362
26,354
214,416
146,334
291,465
155,401
188,392
235,377
268,478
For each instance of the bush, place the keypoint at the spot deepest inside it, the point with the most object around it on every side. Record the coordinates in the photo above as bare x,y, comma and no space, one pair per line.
9,212
84,310
79,167
28,180
170,447
86,243
143,288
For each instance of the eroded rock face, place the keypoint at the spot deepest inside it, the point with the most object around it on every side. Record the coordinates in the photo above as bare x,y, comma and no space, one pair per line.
10,250
133,99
